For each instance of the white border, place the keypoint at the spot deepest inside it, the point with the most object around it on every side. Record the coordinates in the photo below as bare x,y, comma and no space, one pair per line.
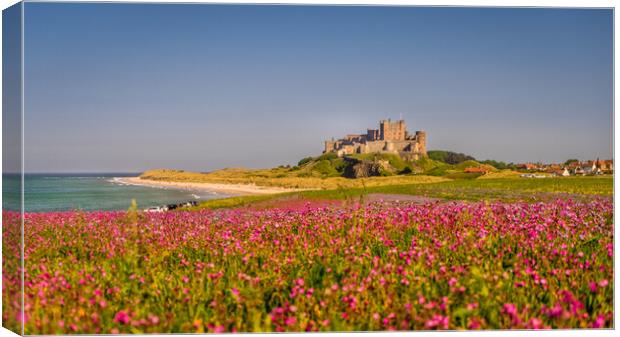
481,3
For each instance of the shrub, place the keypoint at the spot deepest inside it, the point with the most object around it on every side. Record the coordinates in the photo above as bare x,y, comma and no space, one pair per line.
304,161
449,157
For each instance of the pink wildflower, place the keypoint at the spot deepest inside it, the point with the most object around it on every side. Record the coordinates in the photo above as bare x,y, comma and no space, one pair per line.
122,317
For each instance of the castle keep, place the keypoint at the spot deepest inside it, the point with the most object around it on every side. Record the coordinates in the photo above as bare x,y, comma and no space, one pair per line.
391,137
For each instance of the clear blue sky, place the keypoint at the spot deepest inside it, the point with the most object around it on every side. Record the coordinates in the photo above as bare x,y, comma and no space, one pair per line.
128,87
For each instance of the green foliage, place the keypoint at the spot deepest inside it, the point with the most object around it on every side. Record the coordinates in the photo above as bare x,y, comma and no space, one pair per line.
500,165
132,212
305,161
454,158
569,161
327,156
449,157
406,170
339,165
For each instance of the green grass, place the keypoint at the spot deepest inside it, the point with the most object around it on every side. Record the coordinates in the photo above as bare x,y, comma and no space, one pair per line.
463,175
426,164
505,189
232,202
306,177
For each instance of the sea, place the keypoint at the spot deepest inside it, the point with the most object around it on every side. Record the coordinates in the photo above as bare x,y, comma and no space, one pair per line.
88,192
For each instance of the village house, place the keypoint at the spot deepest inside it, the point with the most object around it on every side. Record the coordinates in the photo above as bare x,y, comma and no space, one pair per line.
552,168
606,166
588,167
561,173
528,166
578,171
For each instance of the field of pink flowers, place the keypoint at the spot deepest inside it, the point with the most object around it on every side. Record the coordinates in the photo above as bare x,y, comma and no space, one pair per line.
380,267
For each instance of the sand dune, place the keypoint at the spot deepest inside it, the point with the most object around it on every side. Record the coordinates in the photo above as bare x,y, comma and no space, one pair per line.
233,189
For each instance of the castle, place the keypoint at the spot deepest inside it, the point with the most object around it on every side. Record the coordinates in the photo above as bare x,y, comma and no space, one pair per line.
391,137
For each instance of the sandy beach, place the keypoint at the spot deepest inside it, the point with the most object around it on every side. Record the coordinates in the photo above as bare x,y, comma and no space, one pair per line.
232,189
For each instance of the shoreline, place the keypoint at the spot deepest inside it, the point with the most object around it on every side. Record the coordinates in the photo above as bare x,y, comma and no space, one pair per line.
229,189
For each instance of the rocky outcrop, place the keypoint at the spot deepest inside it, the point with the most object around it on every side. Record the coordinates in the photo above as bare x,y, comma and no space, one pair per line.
367,168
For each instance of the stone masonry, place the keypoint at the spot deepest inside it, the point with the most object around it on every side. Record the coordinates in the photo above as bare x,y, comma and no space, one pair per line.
391,137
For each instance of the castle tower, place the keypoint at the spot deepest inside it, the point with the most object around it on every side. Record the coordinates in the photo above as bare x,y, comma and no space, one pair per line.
330,146
394,131
421,137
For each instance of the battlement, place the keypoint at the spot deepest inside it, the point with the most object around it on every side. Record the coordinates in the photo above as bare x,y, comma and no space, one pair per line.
389,130
390,137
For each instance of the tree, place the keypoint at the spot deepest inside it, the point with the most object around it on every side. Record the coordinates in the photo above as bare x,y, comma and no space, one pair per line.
304,161
449,157
568,162
500,165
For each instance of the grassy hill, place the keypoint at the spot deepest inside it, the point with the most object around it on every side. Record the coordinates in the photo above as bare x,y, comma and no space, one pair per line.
329,165
306,178
329,171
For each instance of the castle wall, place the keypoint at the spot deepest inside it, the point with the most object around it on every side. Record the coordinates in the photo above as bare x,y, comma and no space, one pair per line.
348,149
372,135
355,138
376,146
